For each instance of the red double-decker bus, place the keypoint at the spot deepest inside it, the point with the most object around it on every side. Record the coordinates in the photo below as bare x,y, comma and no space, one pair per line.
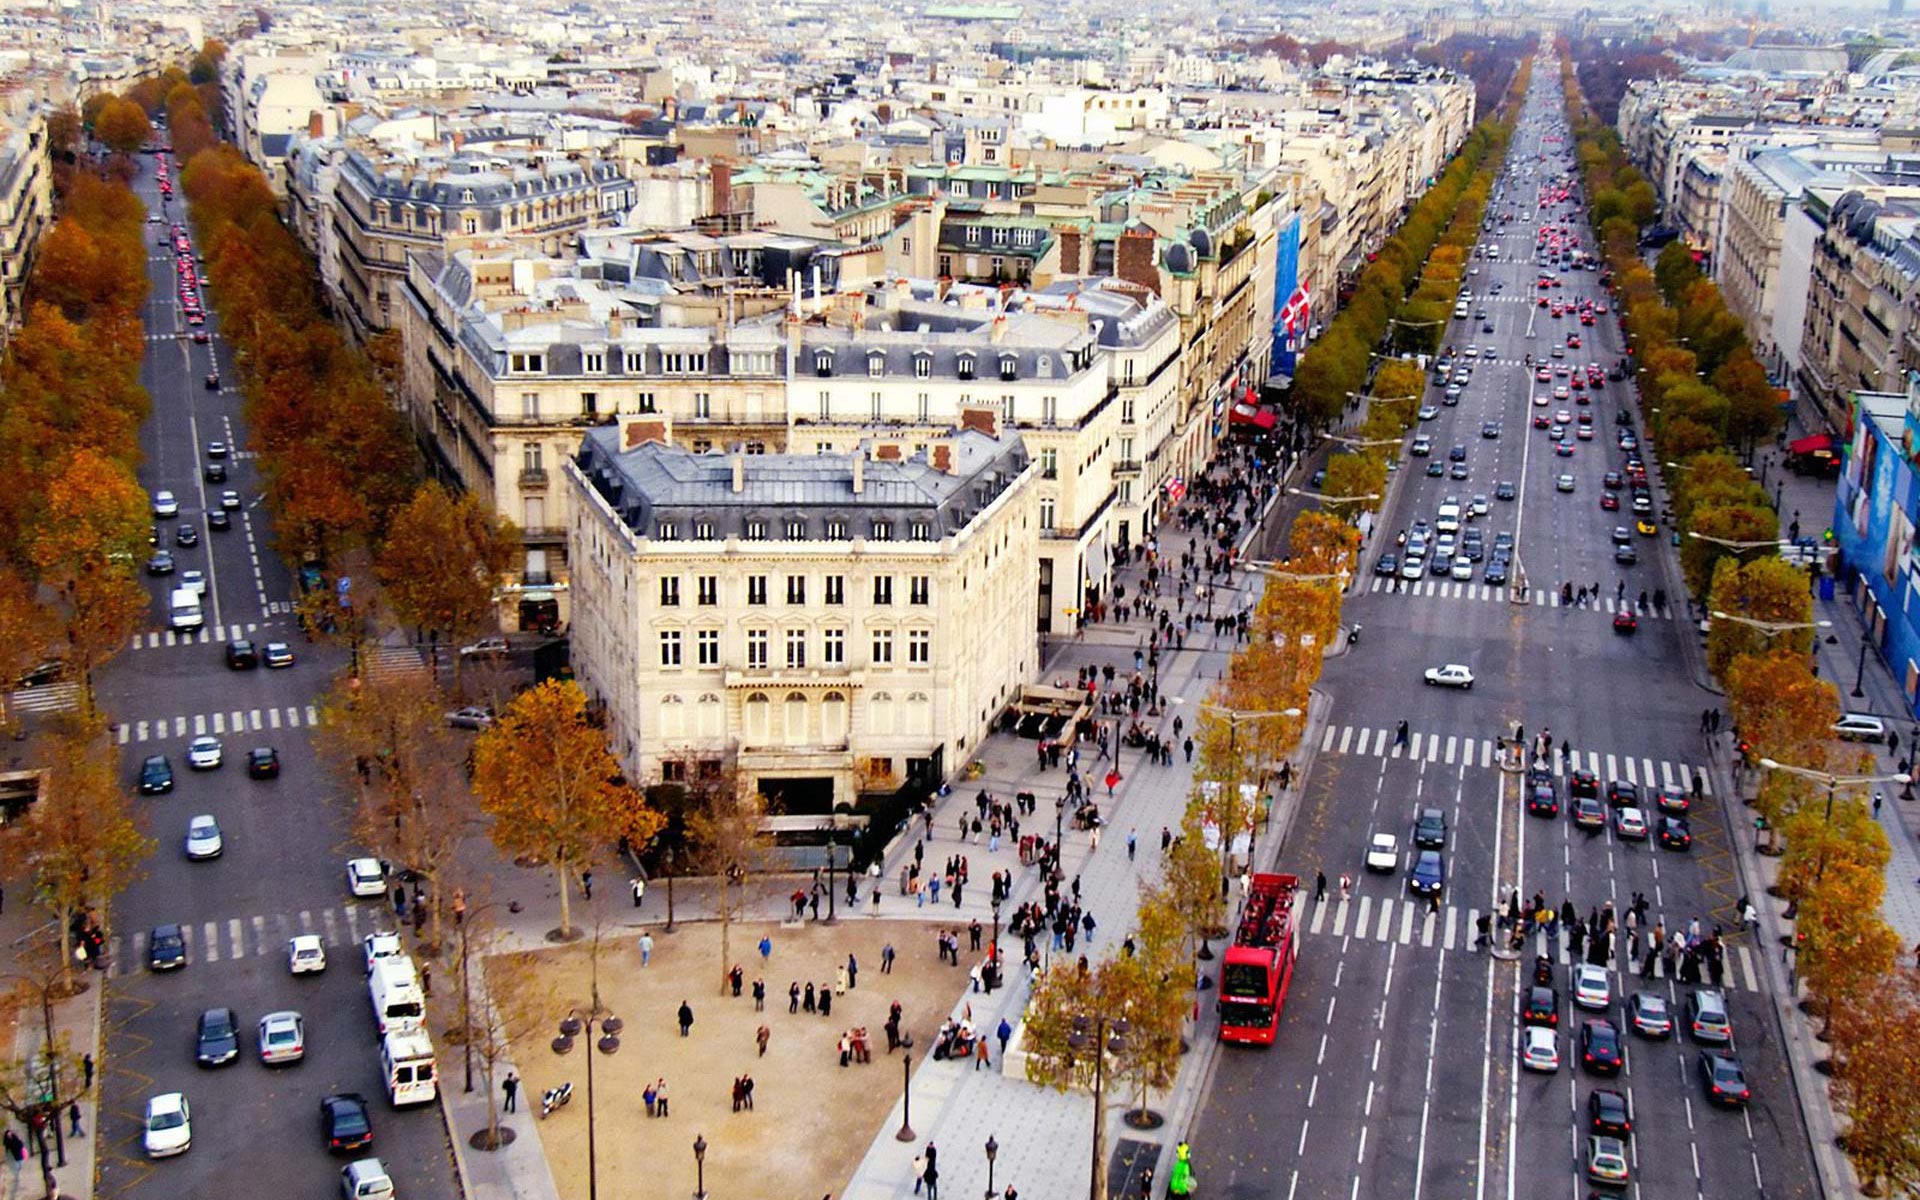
1256,969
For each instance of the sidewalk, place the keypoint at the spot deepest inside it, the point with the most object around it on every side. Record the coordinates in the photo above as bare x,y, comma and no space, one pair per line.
77,1020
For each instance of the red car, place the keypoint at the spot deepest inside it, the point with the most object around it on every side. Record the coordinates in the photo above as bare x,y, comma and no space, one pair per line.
1609,501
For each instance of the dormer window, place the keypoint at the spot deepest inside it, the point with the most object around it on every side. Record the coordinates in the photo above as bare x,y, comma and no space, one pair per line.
1043,366
823,362
466,196
968,366
922,365
527,364
1009,367
973,234
876,364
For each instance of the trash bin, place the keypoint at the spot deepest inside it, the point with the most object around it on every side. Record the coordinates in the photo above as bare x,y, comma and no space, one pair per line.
1826,587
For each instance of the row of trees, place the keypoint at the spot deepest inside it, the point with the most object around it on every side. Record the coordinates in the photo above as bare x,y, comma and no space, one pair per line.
1708,402
1252,723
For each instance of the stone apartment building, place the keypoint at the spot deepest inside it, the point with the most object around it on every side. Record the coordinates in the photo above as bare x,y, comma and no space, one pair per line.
26,202
1862,328
825,624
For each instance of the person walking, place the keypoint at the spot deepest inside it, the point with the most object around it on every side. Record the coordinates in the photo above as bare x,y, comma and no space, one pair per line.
1132,842
686,1018
766,949
660,1097
1400,734
761,1037
16,1148
853,972
886,959
639,889
586,884
759,995
510,1092
73,1116
919,1172
1319,886
980,1054
931,1177
646,948
86,1067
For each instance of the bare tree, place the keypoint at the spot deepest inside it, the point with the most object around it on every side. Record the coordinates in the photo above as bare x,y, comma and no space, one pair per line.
726,839
502,1000
37,1084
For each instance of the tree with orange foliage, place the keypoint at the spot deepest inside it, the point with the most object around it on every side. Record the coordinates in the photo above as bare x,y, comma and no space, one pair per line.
85,550
122,128
1877,1040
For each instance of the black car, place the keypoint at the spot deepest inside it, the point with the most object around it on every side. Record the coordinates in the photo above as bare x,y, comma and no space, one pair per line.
1721,1075
217,1042
215,472
263,762
156,775
1542,802
1600,1047
218,519
1674,834
43,673
1497,572
1504,490
166,948
186,535
1607,1113
344,1122
241,656
1621,794
1583,783
1430,830
1626,556
1386,564
1458,453
1542,1007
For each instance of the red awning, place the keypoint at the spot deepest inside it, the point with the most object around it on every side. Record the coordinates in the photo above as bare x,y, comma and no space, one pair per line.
1811,445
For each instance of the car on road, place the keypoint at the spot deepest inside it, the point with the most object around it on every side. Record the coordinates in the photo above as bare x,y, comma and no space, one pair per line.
1609,502
1462,568
1455,675
379,945
1724,1081
1428,412
1630,824
366,877
1672,798
156,775
1415,567
1626,556
1645,528
1587,813
1860,727
203,839
1590,987
1649,1015
186,536
1563,483
277,654
1707,1017
488,647
1496,573
1583,782
1620,535
345,1124
1430,829
216,1040
161,563
1608,1113
214,472
306,954
263,762
216,519
1542,801
475,716
1383,853
1625,623
1675,834
168,1129
229,500
283,1038
1600,1050
1542,1007
1386,564
366,1179
166,948
1436,470
1422,446
241,655
1540,1049
203,753
1621,794
193,581
1429,874
1490,430
1607,1160
165,504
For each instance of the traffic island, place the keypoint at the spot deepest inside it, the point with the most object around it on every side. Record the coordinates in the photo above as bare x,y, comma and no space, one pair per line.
811,1120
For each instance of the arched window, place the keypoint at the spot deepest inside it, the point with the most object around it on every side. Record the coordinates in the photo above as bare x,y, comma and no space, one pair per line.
708,717
796,719
833,718
918,718
880,714
673,719
759,718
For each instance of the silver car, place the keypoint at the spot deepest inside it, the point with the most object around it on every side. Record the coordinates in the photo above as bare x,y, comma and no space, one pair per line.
203,838
283,1038
203,753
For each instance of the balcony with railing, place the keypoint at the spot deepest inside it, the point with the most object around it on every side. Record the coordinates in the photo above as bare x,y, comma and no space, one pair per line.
533,479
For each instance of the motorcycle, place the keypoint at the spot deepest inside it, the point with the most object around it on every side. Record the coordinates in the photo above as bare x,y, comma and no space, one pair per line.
1353,635
555,1097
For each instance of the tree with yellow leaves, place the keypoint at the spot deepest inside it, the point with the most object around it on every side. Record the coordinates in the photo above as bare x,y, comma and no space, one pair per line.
1878,1056
555,793
1769,590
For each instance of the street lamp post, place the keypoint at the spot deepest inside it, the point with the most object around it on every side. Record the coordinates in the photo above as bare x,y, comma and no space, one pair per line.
571,1027
1832,783
1107,1036
700,1166
993,1152
906,1133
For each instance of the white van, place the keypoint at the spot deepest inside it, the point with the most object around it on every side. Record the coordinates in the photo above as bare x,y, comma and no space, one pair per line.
1460,310
1448,519
393,986
406,1061
184,609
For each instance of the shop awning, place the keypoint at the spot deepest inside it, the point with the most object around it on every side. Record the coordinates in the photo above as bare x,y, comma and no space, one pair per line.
1817,444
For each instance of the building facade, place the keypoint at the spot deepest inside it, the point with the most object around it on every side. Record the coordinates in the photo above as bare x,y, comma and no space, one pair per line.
1876,510
26,206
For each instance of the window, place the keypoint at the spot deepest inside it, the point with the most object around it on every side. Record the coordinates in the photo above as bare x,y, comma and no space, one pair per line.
756,531
1009,367
670,647
796,589
527,364
873,405
756,589
836,589
530,406
920,589
757,649
666,531
826,404
706,647
752,362
1007,411
670,591
636,362
923,406
684,362
882,646
645,402
703,406
1049,409
796,529
709,589
594,362
759,716
823,447
882,531
823,363
1049,464
589,404
973,231
1046,514
876,365
836,530
883,589
1126,406
703,530
922,366
967,366
919,646
833,647
530,457
796,649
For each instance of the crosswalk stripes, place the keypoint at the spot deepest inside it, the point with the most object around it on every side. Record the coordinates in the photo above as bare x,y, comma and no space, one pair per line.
1448,589
250,720
154,639
261,935
47,698
1403,921
1453,749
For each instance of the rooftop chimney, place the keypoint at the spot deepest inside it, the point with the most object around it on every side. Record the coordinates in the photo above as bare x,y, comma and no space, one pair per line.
860,470
739,462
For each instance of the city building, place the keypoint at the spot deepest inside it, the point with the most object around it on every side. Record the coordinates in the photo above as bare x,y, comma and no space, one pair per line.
1876,510
1863,304
26,201
826,625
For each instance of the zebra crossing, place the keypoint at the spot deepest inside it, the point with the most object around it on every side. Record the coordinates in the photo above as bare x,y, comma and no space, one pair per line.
1453,749
156,639
48,698
1397,919
236,938
239,720
1446,589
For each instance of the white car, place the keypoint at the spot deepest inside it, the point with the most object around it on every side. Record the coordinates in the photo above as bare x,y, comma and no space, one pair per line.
365,1180
164,505
1452,675
1383,853
193,581
203,753
491,647
1860,727
306,954
203,838
283,1038
1563,483
1591,988
169,1126
1540,1050
366,877
377,946
1462,568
